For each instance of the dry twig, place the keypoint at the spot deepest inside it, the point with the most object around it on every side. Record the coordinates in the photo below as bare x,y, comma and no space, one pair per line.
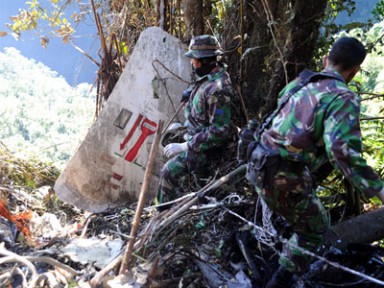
140,206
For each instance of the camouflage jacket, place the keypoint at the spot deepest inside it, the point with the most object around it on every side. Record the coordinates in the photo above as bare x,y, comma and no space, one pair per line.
208,111
320,123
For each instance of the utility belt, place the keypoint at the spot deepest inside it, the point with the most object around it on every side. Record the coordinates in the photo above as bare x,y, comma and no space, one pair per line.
263,166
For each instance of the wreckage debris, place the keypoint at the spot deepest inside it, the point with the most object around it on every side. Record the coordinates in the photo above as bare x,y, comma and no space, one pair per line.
190,245
109,165
20,219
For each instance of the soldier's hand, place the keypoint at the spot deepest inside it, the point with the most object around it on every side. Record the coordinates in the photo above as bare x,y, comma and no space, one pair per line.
185,95
174,148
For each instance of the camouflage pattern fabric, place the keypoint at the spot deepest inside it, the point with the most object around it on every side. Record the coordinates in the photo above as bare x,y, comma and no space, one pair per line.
287,188
203,46
208,129
318,126
177,167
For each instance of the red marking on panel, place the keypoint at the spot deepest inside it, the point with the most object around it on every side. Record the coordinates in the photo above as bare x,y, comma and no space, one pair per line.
148,128
114,186
129,136
117,176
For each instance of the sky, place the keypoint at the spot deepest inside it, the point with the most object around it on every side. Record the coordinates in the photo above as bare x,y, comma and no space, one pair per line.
363,10
62,58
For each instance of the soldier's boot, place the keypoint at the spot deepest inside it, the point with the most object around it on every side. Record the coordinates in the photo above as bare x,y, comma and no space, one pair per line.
280,279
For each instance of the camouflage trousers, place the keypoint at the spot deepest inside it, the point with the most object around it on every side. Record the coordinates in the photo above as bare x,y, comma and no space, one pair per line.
287,188
175,169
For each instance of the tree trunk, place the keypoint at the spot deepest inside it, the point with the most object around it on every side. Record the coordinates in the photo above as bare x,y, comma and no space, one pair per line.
162,14
363,229
299,45
194,16
278,42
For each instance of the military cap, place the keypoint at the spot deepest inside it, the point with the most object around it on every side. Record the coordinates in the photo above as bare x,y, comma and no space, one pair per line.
203,46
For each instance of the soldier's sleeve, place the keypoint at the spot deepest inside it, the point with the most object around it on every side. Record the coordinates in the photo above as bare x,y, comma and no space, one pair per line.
342,137
218,130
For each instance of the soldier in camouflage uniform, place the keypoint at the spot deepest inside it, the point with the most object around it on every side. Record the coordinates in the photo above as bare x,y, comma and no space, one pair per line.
207,116
317,126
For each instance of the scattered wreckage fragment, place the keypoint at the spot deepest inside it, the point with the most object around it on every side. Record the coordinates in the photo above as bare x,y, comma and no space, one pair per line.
108,167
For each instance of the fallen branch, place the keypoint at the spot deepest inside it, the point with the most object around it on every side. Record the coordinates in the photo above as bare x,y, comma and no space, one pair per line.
5,278
311,254
179,210
13,257
209,187
373,95
85,228
173,282
371,118
96,280
126,261
351,232
52,262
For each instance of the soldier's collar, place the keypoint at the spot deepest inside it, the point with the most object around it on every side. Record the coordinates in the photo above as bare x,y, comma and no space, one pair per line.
213,75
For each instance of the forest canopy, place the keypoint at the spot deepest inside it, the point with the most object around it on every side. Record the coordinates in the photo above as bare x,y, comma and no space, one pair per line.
42,116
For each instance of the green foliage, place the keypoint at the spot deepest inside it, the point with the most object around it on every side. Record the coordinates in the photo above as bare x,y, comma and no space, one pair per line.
217,17
31,174
378,12
45,21
41,115
373,139
341,17
373,105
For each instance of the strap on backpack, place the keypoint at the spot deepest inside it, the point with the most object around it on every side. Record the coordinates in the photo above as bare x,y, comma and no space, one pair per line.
305,77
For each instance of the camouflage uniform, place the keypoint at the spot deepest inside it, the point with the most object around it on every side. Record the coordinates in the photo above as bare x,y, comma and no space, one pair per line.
317,126
208,122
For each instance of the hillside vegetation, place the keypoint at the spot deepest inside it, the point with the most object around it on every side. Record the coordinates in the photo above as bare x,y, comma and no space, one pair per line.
41,115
